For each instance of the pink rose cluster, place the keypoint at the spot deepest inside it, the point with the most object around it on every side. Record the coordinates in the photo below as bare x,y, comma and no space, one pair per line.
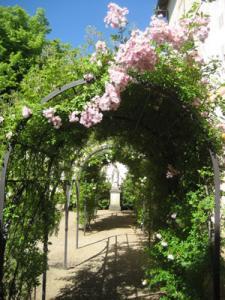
192,28
196,27
91,115
118,77
89,77
49,114
116,16
101,49
110,100
160,32
137,53
73,117
26,112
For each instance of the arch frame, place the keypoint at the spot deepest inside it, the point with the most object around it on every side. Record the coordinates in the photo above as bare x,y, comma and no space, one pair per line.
216,171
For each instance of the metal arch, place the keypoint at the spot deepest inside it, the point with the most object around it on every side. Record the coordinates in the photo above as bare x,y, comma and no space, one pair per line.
216,262
77,186
3,174
50,96
62,89
99,149
217,238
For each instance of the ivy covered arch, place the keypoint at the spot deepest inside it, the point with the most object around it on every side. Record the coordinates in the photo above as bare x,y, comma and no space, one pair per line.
153,106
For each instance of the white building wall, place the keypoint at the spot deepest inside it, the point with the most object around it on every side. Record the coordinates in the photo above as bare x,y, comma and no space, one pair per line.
214,46
176,9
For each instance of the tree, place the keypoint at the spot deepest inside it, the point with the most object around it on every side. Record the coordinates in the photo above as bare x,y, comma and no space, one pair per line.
22,40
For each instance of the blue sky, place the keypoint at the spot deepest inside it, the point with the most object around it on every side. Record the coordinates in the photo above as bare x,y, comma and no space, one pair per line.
69,18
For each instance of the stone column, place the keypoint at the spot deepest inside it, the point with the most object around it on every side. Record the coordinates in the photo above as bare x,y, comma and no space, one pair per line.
115,199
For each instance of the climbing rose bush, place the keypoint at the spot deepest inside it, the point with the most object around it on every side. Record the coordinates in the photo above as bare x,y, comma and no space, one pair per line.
116,16
91,115
140,53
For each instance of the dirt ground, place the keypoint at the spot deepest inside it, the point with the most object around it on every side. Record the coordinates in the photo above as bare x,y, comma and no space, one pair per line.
108,264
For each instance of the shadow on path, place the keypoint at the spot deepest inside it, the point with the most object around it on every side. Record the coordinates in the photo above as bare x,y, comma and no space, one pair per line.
119,277
113,221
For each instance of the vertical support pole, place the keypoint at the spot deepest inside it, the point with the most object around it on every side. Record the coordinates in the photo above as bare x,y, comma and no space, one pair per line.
2,200
85,215
216,250
3,181
78,212
44,277
68,194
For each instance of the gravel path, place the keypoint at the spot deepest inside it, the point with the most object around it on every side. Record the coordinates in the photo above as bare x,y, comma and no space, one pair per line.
107,266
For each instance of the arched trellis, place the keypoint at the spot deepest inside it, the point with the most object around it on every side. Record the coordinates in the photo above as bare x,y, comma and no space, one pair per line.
99,149
75,180
3,177
215,164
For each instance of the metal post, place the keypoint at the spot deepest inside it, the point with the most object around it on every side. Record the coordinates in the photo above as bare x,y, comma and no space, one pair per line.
216,251
3,181
44,277
68,194
78,212
2,200
85,215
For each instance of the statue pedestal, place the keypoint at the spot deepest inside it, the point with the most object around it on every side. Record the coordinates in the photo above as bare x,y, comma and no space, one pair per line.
115,199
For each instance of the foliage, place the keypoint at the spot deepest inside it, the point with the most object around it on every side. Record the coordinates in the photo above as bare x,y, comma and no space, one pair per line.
22,41
94,190
181,251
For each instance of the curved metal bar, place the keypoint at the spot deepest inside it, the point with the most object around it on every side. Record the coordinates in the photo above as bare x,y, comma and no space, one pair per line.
100,149
216,250
62,89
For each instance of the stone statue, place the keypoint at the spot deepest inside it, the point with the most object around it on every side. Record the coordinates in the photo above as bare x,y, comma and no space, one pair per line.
115,191
115,178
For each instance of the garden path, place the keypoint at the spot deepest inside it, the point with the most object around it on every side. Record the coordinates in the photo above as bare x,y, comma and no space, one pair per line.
108,265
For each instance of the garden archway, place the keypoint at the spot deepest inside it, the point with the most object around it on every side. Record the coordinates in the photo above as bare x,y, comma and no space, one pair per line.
125,120
154,105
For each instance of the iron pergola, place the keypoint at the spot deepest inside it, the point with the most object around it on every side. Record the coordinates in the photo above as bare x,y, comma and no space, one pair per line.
3,183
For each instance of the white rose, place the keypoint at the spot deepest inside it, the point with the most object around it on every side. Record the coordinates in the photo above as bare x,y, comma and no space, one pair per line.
159,236
222,187
9,135
170,257
174,215
164,244
144,282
